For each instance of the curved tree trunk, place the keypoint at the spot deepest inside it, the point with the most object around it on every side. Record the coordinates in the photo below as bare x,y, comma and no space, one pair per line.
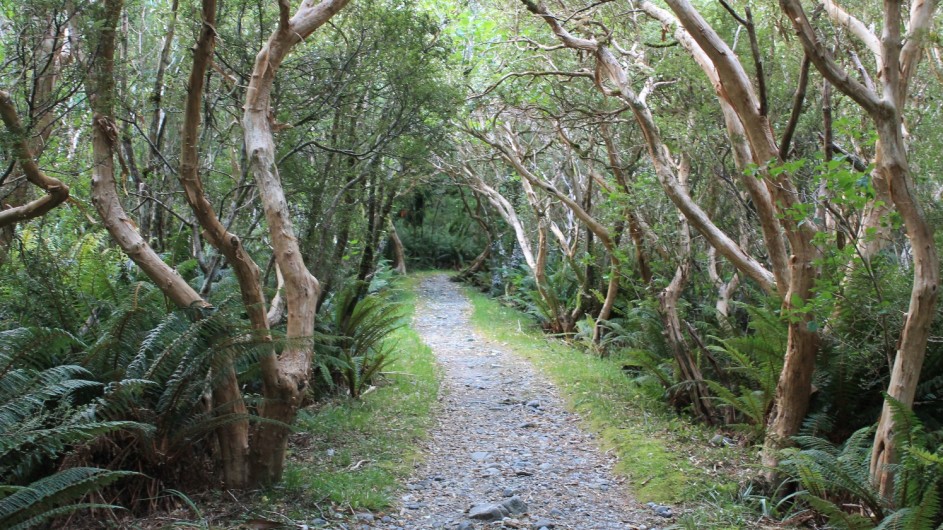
795,383
286,379
56,191
513,155
233,437
399,252
51,56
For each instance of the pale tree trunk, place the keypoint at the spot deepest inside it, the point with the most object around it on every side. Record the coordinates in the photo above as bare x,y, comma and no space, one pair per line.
513,155
286,378
897,65
794,388
101,94
535,262
399,252
740,146
725,290
668,298
609,69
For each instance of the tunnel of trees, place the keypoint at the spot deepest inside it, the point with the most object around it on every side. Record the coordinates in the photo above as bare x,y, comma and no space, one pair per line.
201,199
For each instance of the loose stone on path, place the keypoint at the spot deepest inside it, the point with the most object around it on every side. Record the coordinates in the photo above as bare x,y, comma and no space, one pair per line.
504,452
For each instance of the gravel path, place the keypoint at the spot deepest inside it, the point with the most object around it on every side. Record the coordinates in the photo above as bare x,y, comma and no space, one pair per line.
504,446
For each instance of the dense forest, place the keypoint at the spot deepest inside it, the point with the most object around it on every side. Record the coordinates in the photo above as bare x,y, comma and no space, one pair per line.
206,205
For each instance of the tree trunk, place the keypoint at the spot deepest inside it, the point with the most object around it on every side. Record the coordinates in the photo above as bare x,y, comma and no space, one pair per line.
905,374
688,370
795,381
27,149
286,378
101,94
897,64
399,252
56,191
233,436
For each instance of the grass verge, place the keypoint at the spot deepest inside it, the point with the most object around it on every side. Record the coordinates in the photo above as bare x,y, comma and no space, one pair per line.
667,459
352,454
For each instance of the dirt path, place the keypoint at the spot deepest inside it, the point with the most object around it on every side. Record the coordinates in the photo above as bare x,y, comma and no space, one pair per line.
503,442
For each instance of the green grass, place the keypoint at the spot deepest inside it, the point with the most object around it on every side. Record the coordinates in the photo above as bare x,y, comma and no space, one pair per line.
354,453
666,458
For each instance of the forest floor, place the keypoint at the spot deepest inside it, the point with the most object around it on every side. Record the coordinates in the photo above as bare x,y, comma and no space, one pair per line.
484,422
504,452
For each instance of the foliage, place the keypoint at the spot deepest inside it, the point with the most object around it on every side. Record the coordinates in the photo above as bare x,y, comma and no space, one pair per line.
360,349
45,413
751,366
836,480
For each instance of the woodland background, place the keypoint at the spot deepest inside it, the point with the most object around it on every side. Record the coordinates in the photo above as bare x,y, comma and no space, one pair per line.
205,205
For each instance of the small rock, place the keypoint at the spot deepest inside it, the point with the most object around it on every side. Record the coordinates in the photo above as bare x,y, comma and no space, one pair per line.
515,505
544,523
480,456
317,523
534,403
527,425
413,505
556,513
661,511
487,512
365,517
465,525
719,440
508,492
386,519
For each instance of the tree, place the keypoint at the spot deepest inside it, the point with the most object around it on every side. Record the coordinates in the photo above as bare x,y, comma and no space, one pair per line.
284,378
897,58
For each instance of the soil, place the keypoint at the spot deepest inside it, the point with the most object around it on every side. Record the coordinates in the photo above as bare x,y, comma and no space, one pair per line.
504,447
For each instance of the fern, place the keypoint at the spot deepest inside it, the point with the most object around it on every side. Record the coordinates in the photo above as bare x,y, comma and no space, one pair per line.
45,412
356,347
836,480
50,496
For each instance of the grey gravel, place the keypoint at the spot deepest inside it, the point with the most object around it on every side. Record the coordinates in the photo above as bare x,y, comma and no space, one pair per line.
503,443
